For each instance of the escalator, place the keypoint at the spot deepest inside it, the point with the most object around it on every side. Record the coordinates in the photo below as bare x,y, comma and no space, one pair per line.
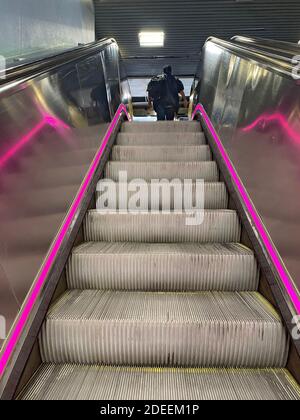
156,309
115,304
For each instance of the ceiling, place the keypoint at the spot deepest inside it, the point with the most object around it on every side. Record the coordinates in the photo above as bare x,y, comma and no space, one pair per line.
187,24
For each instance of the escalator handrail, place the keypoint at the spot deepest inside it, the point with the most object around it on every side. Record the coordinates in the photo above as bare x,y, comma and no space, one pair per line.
279,46
291,291
274,62
274,52
35,68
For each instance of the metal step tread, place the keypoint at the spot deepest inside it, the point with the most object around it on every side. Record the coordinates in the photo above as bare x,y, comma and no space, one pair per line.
192,249
215,195
160,139
167,329
208,171
78,382
161,153
161,126
219,226
162,267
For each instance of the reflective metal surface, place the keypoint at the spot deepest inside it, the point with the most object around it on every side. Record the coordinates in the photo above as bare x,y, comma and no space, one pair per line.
30,28
254,105
51,126
269,45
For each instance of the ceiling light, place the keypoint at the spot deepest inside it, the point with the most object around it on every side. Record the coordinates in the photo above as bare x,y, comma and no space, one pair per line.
152,39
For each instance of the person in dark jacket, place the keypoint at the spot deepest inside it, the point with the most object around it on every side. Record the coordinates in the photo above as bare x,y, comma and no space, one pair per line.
166,105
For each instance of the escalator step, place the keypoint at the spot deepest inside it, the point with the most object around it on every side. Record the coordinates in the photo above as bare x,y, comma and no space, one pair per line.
162,267
161,139
100,383
161,127
208,171
161,153
215,196
219,226
164,329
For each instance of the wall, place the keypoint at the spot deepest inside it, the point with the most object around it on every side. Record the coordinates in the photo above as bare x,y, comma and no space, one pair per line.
187,24
33,25
138,86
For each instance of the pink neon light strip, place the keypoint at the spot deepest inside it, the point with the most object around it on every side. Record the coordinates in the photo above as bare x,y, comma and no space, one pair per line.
255,217
27,308
11,152
47,120
276,118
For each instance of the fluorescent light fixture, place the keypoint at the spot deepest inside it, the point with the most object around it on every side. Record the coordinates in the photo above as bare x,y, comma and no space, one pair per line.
152,39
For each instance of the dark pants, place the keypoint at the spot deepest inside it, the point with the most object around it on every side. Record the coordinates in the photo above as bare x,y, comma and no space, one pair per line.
164,113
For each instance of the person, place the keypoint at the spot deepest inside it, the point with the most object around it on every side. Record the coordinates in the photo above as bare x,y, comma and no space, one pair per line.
163,93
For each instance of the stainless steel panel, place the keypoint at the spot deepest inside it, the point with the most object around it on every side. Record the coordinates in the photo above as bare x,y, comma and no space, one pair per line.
256,113
110,58
51,127
287,49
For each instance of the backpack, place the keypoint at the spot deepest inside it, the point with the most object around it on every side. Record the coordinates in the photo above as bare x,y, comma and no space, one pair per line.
156,87
170,97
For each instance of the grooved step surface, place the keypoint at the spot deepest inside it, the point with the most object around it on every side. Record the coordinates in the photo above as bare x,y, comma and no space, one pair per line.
151,196
162,303
100,383
221,226
161,153
161,139
164,329
161,127
162,267
207,171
